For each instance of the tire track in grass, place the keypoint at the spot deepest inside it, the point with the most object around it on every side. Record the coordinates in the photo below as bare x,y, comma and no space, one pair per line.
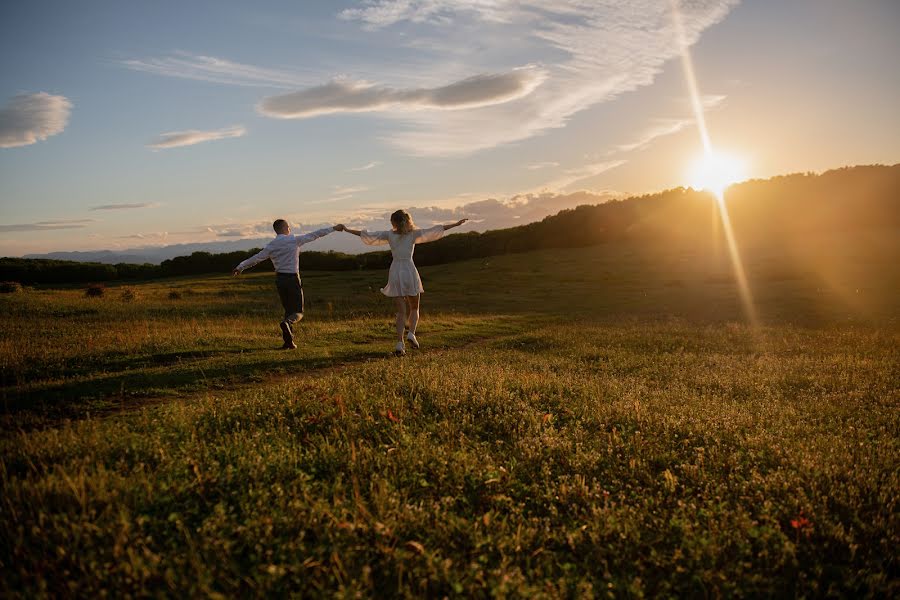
129,407
106,397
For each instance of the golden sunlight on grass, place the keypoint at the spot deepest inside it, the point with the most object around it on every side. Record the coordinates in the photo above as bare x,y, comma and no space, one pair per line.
715,171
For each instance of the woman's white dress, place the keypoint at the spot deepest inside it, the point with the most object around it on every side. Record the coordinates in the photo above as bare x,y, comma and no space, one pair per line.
403,278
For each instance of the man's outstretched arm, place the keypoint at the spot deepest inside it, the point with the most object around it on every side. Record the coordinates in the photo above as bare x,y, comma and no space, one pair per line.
253,260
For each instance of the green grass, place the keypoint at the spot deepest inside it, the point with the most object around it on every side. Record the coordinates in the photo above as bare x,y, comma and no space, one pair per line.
579,422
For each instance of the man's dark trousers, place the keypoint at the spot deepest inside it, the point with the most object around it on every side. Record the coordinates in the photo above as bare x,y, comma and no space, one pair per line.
290,290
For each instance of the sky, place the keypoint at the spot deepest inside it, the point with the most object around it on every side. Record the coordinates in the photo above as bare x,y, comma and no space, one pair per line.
129,124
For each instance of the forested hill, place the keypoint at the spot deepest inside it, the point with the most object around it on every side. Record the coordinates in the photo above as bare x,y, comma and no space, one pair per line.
768,211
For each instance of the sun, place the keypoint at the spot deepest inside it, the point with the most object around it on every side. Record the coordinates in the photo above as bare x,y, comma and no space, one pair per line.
715,171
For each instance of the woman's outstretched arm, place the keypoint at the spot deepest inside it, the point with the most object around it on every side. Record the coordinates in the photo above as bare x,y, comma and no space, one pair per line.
369,238
435,233
348,230
457,224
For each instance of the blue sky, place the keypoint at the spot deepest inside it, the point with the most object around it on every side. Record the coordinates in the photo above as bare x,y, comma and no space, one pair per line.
125,124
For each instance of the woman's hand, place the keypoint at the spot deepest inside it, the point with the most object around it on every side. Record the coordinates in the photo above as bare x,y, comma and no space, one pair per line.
457,224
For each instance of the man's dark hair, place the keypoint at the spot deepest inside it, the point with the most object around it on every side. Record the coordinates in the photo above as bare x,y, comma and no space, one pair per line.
279,226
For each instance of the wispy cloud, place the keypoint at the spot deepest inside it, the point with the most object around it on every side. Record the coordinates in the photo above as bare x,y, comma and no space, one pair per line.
574,175
157,237
340,193
248,230
29,118
344,95
125,206
592,52
383,13
542,165
47,225
177,139
667,126
366,167
489,213
185,65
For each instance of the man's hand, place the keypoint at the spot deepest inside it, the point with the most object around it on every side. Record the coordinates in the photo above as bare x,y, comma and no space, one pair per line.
235,273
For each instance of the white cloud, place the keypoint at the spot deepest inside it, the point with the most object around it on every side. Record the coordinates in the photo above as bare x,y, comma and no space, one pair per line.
591,51
232,230
383,13
344,95
542,165
158,237
124,206
366,167
176,139
29,118
185,65
490,213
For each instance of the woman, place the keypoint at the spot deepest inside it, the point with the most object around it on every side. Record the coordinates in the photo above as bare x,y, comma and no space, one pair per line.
404,284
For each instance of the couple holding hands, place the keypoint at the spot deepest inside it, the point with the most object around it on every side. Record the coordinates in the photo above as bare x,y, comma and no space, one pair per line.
404,284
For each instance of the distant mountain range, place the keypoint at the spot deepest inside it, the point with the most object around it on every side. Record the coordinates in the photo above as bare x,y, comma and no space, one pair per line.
484,215
156,254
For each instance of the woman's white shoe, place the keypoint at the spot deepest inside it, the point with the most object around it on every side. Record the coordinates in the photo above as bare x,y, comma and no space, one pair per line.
399,350
411,338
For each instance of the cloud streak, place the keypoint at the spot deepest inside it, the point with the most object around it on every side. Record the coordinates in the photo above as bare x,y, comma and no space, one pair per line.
592,52
184,65
47,225
124,206
663,127
344,95
366,167
190,137
29,118
574,175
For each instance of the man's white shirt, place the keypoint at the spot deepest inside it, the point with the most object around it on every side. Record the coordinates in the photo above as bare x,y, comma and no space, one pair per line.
284,251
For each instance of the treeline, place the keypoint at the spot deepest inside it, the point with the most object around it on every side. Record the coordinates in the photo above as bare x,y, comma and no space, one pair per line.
780,208
39,270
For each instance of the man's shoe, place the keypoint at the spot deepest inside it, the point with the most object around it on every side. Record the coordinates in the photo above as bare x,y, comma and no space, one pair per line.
289,346
287,335
399,350
411,338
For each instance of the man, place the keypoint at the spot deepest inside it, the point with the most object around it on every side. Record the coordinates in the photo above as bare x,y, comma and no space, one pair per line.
284,252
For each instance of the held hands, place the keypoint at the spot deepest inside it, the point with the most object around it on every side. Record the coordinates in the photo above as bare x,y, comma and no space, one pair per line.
339,227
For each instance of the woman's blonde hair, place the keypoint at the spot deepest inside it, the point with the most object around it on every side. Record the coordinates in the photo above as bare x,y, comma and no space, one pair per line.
402,222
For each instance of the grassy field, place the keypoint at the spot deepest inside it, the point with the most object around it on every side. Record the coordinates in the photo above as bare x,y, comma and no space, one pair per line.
592,422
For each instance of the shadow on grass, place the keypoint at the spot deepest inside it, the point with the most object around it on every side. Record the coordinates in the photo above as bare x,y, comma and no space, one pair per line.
48,403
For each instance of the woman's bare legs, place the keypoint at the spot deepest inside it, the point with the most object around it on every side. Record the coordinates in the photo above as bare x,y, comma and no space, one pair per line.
400,304
412,303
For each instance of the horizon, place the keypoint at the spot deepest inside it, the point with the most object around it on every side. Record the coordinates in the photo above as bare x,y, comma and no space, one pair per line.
155,254
160,129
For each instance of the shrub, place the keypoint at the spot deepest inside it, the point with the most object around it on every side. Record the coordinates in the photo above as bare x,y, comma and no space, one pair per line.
95,290
128,294
10,287
174,295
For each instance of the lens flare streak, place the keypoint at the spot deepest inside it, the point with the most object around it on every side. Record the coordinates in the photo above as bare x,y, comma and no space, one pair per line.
716,164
